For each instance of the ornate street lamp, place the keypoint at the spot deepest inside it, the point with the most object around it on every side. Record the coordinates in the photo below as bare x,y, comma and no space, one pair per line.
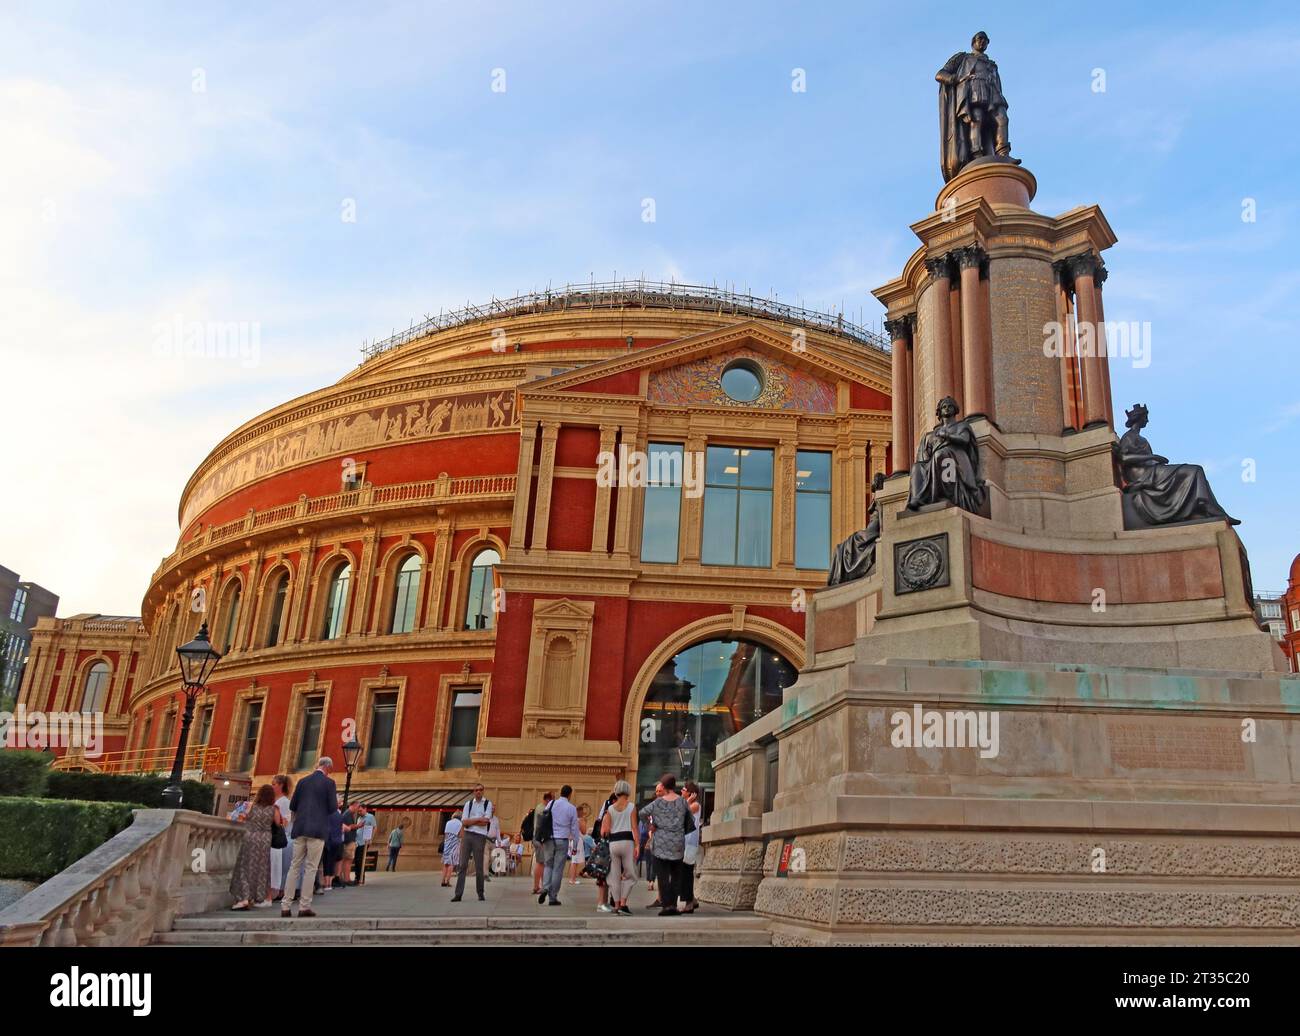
351,754
197,662
686,753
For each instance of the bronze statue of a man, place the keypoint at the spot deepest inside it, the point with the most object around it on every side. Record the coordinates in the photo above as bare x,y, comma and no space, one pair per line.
972,110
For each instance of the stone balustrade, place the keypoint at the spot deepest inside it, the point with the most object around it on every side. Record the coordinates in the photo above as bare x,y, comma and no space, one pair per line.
169,863
365,499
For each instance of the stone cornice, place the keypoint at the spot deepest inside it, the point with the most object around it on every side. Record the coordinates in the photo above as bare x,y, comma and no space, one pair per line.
313,655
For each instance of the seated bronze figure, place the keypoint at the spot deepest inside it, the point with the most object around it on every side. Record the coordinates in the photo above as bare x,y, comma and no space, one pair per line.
856,556
948,464
1157,492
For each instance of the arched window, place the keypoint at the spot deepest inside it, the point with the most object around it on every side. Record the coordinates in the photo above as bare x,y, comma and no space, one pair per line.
95,690
478,609
406,593
231,613
703,695
336,602
279,592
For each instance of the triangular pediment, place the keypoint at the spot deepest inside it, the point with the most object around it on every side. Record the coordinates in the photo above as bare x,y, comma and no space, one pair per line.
562,608
799,374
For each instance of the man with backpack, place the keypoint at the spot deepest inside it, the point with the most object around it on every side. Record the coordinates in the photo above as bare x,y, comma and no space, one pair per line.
529,832
559,831
476,819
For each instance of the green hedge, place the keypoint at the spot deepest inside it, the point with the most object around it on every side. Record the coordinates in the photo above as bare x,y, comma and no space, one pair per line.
24,771
43,836
143,790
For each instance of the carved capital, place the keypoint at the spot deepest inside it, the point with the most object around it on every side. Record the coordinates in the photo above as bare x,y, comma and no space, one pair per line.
1085,264
900,328
970,257
939,268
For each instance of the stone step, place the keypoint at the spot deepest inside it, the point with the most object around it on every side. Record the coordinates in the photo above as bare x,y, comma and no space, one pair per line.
598,922
447,936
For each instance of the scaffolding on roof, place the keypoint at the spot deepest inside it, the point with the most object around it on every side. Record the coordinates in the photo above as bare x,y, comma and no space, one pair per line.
637,293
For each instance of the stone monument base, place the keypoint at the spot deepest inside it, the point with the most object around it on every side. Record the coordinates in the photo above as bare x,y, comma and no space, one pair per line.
1069,804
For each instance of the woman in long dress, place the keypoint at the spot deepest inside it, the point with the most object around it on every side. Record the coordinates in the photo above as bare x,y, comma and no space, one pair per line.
252,875
1157,492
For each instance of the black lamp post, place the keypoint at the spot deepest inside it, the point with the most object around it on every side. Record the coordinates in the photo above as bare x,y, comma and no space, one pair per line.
197,662
351,753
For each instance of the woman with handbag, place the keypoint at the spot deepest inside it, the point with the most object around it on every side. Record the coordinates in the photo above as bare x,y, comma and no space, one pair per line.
672,820
691,853
251,878
281,849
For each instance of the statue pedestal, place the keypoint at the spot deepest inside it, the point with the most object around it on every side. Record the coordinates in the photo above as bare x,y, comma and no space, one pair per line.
1031,726
1120,806
996,181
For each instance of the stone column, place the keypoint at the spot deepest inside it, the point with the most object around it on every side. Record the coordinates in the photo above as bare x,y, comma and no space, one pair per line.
692,520
956,303
900,337
939,338
545,477
523,485
1083,267
975,335
629,497
783,489
1071,390
600,524
1098,280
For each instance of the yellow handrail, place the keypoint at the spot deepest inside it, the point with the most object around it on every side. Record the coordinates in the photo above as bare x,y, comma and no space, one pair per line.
203,758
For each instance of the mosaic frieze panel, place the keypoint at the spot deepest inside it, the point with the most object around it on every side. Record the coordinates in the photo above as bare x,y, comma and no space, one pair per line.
482,411
784,387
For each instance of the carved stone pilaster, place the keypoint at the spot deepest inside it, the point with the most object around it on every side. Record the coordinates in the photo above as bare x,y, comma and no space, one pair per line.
600,522
545,479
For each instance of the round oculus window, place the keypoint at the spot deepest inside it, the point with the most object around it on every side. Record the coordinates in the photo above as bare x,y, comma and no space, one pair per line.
742,380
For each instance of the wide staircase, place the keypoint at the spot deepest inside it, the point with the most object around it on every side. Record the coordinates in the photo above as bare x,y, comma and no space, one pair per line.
598,929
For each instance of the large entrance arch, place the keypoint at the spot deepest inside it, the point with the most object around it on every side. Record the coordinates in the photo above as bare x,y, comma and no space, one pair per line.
701,687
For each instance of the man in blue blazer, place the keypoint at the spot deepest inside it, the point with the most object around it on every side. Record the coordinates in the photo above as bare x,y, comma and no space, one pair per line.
314,801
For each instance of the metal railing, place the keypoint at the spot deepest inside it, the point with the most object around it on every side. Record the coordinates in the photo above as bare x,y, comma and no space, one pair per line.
198,758
640,294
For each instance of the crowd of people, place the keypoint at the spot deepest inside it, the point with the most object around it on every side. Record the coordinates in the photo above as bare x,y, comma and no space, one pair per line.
305,841
660,842
295,849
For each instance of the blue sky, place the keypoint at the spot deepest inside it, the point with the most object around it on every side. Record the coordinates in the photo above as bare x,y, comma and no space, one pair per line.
132,199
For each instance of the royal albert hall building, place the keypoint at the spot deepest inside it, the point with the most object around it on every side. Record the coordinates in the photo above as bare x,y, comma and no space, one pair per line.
423,552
